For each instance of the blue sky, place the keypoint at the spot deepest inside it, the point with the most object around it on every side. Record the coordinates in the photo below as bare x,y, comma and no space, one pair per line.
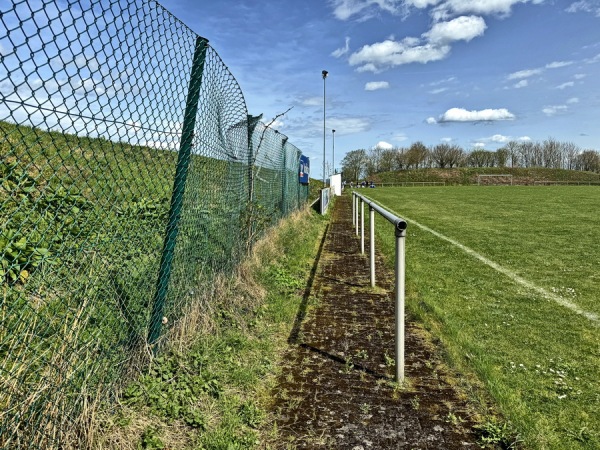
476,73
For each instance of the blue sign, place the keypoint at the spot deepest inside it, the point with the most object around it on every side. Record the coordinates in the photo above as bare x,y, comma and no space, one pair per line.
304,173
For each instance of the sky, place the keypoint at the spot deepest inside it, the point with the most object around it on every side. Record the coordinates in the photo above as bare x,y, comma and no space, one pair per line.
476,73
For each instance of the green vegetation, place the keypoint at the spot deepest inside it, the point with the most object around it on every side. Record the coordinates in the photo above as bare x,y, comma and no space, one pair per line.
214,393
468,175
83,223
536,358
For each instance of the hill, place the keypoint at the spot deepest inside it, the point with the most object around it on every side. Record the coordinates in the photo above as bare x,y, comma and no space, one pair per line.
469,176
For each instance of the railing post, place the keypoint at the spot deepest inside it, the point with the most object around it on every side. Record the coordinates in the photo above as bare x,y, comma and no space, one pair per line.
353,211
356,221
362,227
183,162
399,269
372,243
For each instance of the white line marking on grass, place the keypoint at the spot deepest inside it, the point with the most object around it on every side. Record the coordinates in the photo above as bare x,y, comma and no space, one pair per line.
513,276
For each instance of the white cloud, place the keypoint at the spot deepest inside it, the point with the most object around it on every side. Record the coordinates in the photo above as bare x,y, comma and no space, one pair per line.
527,73
345,9
524,74
431,120
521,84
343,50
375,85
593,59
557,64
347,125
565,85
445,80
277,124
462,28
573,100
383,145
479,144
524,138
421,3
390,53
584,6
446,139
312,101
450,8
485,115
400,137
499,138
553,110
438,91
579,76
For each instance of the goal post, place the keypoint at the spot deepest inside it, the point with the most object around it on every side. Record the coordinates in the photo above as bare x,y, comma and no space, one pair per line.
494,179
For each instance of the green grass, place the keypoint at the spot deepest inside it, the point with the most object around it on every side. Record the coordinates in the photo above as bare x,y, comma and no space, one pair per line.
216,393
83,224
539,361
468,175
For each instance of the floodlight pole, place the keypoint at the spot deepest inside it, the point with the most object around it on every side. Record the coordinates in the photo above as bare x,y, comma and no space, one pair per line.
324,74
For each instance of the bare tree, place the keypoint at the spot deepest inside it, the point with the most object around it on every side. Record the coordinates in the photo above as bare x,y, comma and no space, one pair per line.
551,154
354,165
441,155
570,151
416,155
513,153
589,160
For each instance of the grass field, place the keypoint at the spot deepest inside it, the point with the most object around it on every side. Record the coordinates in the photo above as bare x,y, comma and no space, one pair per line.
507,278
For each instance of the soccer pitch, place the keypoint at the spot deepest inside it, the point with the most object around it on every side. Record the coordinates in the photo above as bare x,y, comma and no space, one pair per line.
507,277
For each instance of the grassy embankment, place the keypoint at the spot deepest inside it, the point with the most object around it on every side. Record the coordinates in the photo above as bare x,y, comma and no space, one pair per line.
468,175
212,390
536,353
83,224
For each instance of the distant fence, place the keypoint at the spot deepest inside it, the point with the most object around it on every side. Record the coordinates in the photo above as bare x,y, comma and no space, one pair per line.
131,173
411,184
566,183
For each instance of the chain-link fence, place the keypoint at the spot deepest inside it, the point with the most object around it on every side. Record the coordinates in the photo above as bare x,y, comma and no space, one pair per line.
131,173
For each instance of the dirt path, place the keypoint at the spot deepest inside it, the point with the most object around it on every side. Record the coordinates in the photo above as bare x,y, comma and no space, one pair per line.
336,389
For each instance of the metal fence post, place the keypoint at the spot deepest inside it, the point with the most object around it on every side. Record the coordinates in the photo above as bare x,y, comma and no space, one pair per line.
356,217
357,214
353,211
284,205
183,161
362,227
399,269
372,243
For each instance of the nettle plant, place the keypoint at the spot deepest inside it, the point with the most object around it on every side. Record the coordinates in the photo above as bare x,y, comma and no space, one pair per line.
20,256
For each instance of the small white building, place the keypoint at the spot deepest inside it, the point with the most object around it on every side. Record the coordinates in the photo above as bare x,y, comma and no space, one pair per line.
336,184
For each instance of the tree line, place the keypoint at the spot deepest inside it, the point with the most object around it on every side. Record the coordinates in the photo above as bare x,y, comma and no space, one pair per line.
550,153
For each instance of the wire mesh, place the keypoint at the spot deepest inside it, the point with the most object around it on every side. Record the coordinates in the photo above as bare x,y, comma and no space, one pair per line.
92,110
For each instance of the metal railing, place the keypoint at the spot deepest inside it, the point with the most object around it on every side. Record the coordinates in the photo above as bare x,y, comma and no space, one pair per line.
358,214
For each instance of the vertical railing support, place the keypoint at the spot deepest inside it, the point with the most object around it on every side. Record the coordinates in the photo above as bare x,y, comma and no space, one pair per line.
183,162
399,285
372,243
400,226
354,210
356,218
362,227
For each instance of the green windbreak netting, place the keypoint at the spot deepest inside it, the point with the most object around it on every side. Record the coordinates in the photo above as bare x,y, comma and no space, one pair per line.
130,174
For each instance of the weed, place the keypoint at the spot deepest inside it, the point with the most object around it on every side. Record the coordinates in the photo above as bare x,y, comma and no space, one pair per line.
150,440
415,403
497,433
250,414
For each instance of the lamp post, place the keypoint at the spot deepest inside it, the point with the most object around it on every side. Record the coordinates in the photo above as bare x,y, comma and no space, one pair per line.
333,152
324,73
